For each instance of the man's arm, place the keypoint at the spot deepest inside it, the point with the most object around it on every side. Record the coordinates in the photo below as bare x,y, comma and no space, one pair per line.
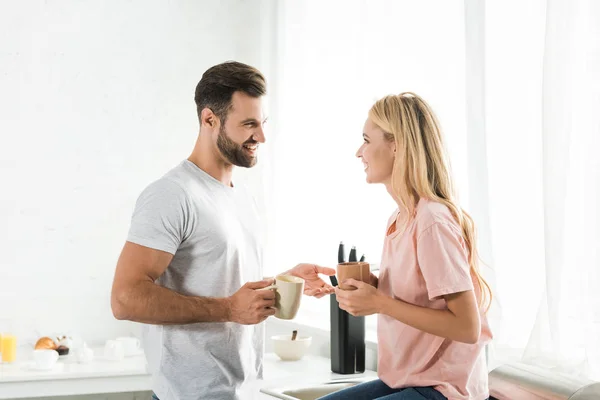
136,297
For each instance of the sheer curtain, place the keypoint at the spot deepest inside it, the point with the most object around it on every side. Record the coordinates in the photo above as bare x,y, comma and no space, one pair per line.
542,93
567,330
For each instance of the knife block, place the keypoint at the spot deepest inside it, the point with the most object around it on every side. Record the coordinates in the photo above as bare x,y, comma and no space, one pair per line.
347,340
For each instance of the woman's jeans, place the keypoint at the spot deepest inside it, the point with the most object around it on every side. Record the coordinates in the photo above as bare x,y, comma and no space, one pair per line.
378,390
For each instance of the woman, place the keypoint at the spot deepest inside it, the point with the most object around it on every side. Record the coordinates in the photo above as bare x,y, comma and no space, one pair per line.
430,297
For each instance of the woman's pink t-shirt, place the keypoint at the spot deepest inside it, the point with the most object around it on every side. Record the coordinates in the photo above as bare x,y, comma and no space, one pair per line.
420,264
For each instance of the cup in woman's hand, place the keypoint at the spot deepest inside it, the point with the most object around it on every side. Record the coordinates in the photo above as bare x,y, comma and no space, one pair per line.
359,271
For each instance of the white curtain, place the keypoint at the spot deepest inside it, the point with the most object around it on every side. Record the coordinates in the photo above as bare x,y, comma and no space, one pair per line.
542,127
567,331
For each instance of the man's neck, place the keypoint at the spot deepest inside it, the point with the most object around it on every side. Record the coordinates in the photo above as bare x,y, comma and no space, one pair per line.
209,161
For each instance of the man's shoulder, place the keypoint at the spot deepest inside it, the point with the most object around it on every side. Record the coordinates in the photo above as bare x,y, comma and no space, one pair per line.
167,185
170,185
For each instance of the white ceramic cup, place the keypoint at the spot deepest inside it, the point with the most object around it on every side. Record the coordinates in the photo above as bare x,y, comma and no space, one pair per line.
45,358
288,294
113,350
84,354
131,345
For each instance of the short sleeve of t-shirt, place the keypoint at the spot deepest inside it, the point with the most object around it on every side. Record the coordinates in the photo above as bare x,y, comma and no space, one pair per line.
160,217
443,260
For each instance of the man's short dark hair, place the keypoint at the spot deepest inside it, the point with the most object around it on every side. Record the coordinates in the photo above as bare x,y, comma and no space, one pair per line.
219,82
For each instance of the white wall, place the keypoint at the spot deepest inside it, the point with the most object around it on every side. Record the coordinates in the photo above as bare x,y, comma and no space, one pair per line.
96,101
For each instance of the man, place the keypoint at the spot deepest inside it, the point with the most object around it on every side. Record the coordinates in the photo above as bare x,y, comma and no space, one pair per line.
193,258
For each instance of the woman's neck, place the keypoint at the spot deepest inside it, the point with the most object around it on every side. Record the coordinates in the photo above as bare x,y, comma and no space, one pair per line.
396,198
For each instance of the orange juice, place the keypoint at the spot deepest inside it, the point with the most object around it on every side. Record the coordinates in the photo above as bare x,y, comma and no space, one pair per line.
8,348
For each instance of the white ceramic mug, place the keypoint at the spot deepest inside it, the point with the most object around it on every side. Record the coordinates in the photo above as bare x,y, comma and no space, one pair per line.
113,350
45,358
288,294
131,345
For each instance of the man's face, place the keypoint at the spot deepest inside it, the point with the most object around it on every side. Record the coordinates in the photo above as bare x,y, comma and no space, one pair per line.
243,130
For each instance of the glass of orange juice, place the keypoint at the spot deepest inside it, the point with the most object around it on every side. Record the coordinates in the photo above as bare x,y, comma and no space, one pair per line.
8,348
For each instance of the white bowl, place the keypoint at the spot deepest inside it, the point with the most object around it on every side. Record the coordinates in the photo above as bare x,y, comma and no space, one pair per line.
45,359
288,349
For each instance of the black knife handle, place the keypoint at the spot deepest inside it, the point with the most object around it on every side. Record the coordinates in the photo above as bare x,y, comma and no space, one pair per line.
341,253
352,256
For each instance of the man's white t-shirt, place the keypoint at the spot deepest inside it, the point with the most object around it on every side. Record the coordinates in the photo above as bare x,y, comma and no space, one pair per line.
213,232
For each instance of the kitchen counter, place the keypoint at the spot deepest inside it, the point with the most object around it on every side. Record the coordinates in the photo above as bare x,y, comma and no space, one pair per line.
21,380
309,370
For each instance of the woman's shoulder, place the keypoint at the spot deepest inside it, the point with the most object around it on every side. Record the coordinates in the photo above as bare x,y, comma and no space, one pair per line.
430,212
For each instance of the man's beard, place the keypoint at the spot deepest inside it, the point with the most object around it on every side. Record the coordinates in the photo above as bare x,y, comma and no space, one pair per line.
233,152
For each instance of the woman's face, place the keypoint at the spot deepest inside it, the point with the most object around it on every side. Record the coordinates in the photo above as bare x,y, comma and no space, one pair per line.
377,154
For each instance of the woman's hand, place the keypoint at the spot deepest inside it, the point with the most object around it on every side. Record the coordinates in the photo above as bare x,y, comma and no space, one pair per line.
365,300
374,280
313,284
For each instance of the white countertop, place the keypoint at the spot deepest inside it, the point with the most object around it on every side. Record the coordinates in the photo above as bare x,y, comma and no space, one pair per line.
21,380
308,369
67,368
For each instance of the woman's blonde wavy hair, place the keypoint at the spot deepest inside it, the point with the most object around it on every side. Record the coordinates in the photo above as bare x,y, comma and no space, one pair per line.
421,168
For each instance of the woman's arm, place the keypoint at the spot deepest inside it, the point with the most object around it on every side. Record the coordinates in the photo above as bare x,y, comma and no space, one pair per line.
460,321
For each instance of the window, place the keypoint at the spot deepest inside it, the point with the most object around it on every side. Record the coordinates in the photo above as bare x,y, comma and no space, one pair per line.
327,83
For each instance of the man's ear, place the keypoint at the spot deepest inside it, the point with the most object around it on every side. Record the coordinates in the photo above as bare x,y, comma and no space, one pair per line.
208,118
